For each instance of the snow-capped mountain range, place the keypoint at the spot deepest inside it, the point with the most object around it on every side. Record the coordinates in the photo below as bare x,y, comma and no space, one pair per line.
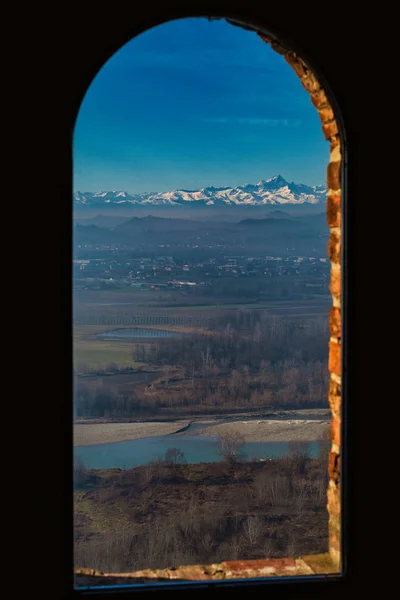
273,191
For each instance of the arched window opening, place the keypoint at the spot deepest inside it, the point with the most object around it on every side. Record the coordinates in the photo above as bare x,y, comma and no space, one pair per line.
207,311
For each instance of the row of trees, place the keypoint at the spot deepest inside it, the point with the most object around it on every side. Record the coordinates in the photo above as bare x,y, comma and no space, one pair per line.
93,317
250,338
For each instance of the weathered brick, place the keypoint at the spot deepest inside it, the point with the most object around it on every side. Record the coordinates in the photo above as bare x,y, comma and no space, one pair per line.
335,322
264,38
311,83
335,141
335,430
334,247
192,572
335,154
319,98
278,48
335,556
297,64
255,564
334,546
333,210
334,358
333,504
335,387
335,398
319,563
271,566
334,518
333,175
335,284
326,114
87,571
330,129
334,532
334,467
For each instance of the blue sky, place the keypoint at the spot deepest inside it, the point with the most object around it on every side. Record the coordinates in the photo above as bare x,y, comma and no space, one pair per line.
193,103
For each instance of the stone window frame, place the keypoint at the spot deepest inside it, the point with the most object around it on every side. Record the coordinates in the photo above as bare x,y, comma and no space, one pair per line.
330,565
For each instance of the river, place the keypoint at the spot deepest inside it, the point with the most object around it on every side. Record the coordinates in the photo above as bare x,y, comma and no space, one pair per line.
196,449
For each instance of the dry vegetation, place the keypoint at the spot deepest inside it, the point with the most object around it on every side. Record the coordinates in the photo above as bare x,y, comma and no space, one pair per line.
168,513
250,362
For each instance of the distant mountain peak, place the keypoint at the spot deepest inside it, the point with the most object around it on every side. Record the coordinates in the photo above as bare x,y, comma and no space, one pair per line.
273,191
278,179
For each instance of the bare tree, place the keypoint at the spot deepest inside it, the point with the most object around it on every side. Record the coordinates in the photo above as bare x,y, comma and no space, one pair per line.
155,469
298,457
252,528
229,446
174,457
268,548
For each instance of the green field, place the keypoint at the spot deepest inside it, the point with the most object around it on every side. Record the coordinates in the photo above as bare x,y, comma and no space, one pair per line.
91,352
97,354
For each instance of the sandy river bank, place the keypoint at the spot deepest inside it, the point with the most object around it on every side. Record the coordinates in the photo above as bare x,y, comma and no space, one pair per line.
108,433
298,428
269,431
